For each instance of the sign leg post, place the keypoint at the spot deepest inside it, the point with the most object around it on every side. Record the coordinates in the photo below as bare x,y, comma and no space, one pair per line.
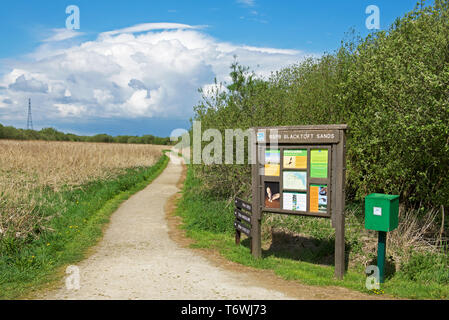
339,205
256,243
256,237
339,247
381,250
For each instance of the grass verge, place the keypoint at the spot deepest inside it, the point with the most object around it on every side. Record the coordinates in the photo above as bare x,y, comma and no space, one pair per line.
77,220
209,221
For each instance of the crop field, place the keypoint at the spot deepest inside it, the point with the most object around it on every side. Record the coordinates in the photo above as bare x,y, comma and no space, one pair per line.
30,168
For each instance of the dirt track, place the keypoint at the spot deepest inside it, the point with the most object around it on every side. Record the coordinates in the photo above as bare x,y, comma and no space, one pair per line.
143,256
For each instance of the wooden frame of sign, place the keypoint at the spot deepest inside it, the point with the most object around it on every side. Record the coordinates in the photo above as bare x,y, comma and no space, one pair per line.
300,171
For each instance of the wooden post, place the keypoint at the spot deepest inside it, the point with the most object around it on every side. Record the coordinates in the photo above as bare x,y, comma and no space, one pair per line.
339,247
238,235
339,206
256,237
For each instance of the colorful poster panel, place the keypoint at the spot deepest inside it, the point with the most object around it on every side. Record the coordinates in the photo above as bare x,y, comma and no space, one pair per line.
295,180
272,163
318,198
319,163
295,159
272,195
294,201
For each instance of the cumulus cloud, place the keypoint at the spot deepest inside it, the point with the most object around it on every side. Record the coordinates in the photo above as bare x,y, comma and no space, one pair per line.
148,70
31,85
136,84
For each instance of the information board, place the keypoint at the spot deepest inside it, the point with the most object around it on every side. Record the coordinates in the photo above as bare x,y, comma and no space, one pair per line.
300,171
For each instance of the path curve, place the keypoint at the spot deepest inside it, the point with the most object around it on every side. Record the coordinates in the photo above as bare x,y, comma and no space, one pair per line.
137,259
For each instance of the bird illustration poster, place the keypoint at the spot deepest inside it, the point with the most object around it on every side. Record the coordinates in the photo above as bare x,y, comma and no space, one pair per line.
295,159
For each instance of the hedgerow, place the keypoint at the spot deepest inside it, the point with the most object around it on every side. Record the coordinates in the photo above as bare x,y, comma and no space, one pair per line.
391,88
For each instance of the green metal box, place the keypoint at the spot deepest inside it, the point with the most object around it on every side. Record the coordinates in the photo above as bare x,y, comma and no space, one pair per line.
381,212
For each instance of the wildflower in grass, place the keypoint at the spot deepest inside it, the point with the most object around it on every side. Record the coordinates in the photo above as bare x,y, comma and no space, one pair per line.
378,291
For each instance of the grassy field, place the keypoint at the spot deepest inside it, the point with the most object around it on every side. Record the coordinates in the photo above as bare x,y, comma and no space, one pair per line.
306,253
30,169
55,199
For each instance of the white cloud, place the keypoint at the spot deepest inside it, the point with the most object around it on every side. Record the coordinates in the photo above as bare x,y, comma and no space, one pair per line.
249,3
28,85
62,34
5,102
149,27
149,70
272,50
70,110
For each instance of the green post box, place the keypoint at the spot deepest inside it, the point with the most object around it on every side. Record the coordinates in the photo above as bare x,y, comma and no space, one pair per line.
381,212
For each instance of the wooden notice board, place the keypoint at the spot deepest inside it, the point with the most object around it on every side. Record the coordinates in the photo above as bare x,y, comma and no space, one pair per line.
300,171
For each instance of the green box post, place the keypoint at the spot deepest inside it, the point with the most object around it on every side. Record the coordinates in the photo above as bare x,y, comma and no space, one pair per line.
381,251
381,214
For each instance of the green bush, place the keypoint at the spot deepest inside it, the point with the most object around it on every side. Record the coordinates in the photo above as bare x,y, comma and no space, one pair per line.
427,268
207,213
396,101
390,88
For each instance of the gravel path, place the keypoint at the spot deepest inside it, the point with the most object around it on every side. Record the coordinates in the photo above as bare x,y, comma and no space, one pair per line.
137,259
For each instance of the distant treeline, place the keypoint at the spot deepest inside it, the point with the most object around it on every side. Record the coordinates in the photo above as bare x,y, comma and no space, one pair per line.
50,134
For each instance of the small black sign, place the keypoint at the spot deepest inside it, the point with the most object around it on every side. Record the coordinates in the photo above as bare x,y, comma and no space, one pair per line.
239,203
242,228
242,216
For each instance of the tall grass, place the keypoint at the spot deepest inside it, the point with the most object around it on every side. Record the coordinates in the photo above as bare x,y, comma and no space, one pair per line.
29,170
66,222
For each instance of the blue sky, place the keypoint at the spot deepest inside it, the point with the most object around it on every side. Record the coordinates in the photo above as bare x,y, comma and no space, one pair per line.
127,82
